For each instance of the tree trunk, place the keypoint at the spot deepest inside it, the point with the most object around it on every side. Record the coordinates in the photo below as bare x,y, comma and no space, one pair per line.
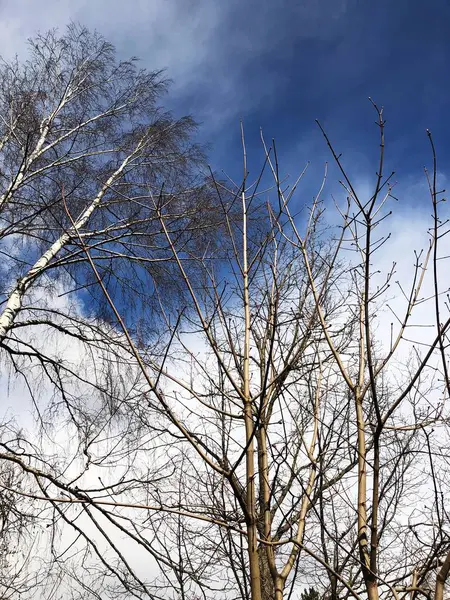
267,584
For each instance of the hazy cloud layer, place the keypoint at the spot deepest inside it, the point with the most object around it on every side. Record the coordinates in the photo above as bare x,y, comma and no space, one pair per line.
218,53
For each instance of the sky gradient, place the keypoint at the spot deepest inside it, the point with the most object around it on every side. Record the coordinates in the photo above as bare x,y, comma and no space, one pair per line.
280,65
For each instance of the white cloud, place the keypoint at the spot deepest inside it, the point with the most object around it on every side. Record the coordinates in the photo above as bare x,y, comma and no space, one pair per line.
216,52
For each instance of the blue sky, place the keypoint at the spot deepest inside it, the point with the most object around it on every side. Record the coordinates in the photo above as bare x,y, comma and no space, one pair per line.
280,64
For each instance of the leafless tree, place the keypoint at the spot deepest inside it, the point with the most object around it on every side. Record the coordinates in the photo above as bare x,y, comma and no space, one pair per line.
84,135
82,129
267,440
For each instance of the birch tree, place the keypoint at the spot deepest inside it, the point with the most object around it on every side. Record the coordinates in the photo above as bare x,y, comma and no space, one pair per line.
82,134
81,129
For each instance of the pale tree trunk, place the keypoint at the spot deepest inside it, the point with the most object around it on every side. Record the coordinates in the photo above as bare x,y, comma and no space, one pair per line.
363,542
441,578
252,529
37,151
16,297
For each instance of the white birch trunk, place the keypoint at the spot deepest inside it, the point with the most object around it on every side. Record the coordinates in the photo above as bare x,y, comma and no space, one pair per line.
15,300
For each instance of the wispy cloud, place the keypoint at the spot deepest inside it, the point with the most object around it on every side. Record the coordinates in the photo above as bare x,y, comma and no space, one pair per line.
218,53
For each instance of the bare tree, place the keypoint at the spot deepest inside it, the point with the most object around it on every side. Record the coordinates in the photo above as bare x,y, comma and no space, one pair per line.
267,441
83,134
80,125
